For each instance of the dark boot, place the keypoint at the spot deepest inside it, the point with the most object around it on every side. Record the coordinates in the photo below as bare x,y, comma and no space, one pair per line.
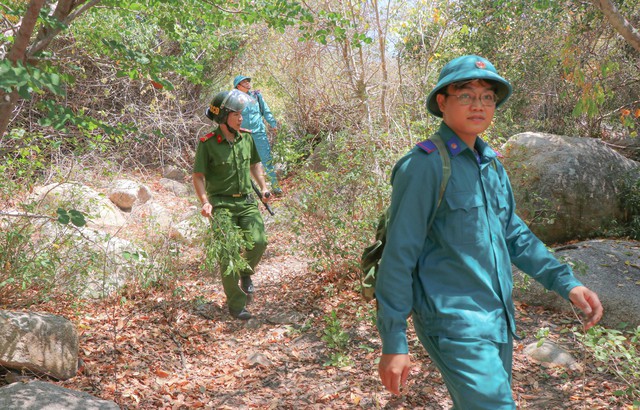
242,314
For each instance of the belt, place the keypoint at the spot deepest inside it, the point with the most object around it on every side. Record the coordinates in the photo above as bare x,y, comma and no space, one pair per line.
232,195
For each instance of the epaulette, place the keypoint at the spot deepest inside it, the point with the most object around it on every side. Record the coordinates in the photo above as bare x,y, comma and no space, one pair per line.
245,130
427,146
206,137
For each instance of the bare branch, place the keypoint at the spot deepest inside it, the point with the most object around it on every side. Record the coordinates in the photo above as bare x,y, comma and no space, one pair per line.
66,17
619,23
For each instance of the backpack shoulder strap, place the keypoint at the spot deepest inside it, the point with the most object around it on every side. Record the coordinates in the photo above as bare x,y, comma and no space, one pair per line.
446,164
435,143
258,96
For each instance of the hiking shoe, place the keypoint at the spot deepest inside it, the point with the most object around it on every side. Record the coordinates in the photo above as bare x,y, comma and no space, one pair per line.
277,191
246,284
242,314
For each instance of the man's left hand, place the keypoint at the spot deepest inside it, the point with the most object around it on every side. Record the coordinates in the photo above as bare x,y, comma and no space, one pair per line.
587,301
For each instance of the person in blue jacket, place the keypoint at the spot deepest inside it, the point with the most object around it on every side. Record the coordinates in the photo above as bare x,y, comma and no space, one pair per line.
455,278
252,119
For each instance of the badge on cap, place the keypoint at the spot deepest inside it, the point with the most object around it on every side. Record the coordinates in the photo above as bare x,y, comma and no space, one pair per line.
481,65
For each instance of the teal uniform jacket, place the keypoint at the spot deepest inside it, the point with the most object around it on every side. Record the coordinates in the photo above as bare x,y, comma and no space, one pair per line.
456,279
252,116
253,113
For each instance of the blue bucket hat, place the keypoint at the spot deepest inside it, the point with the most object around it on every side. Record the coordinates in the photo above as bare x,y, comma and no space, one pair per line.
239,79
467,68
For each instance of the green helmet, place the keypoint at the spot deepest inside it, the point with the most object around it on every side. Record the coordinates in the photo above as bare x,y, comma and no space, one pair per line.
239,79
225,102
470,67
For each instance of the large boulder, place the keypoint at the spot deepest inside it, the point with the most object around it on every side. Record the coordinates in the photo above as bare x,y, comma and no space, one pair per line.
38,395
566,188
173,172
41,343
124,193
108,262
611,268
178,188
102,212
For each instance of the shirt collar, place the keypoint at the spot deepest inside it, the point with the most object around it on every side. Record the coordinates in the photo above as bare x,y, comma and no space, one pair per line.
220,136
455,145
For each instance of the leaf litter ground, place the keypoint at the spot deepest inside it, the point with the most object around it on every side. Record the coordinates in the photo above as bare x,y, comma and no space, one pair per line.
177,347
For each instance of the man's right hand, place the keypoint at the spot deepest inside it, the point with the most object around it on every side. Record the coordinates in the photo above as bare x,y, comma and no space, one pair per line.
206,210
394,370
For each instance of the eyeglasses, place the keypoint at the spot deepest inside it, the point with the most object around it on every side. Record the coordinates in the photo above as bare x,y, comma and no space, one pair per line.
486,99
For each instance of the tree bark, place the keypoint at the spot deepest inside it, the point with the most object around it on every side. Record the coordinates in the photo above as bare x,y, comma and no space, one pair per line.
17,53
619,23
382,44
66,12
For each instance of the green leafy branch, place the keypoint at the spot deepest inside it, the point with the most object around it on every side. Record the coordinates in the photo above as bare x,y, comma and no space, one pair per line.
224,244
27,79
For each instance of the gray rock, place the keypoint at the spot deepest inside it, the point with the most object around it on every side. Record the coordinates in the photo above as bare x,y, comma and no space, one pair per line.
125,193
173,172
42,343
39,395
154,214
550,354
179,189
102,212
611,268
566,188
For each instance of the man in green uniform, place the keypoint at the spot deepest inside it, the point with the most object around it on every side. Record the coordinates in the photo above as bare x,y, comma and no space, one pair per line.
225,161
454,276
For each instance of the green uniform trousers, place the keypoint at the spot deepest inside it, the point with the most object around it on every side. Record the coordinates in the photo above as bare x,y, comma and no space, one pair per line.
246,215
477,372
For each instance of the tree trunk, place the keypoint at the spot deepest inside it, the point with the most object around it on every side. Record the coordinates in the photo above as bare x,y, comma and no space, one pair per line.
382,44
66,11
18,53
619,23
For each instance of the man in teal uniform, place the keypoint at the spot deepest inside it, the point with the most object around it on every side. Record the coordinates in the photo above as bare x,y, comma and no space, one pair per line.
252,119
455,278
225,161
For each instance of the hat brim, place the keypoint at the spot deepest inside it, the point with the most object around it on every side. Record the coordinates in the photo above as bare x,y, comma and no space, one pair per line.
503,92
239,80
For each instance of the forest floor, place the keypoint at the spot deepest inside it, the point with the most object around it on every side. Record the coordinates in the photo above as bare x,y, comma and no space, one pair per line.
177,347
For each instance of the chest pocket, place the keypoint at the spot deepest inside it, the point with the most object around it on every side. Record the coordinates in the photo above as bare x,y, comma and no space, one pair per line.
465,219
230,159
222,160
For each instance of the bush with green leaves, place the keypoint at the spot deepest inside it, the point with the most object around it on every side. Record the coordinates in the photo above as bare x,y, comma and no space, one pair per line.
32,260
337,341
343,188
616,352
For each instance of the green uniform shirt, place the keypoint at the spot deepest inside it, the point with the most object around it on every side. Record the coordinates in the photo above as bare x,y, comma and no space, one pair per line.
226,166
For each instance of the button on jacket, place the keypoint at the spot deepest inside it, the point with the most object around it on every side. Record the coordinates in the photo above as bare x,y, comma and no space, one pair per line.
456,279
226,166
